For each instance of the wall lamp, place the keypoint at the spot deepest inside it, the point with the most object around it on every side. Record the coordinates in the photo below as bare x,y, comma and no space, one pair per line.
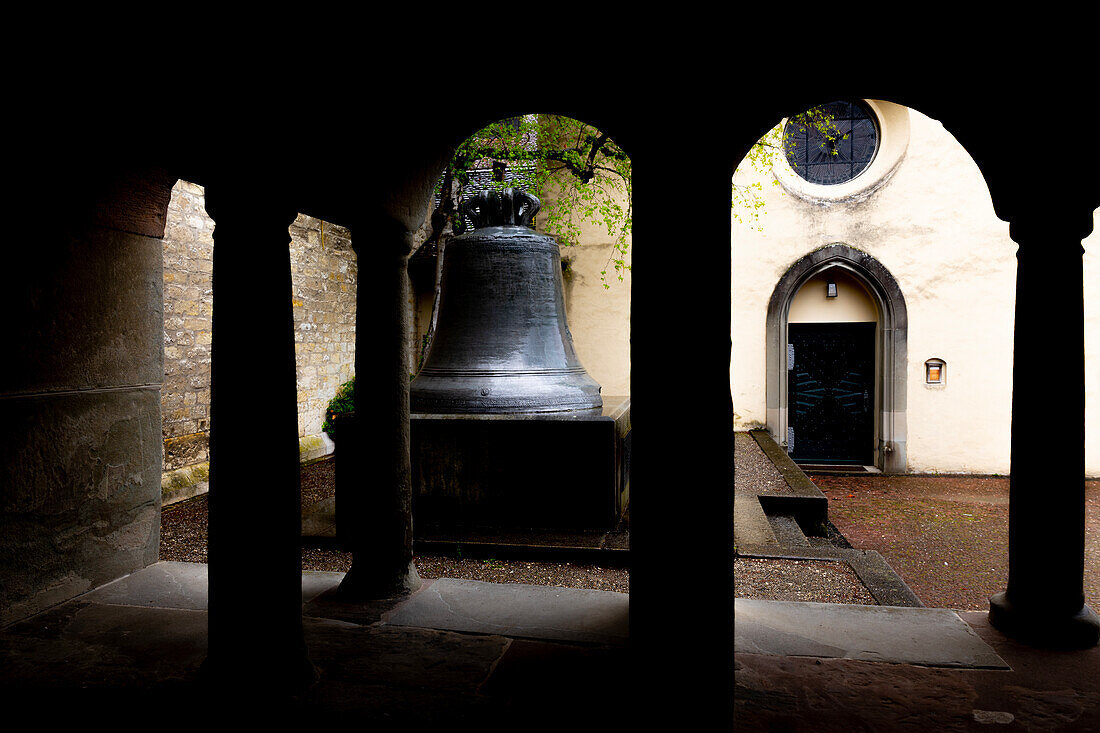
935,371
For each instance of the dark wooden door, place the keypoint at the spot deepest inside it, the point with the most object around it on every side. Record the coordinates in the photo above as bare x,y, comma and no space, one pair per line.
831,389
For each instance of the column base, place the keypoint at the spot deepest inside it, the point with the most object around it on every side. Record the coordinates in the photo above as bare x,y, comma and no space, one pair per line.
375,583
1035,628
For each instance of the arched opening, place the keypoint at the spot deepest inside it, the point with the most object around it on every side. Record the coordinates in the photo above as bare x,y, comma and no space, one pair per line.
682,449
324,269
582,179
920,208
484,486
856,339
831,372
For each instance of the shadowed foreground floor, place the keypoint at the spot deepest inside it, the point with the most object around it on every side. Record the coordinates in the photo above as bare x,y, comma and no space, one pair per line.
540,657
456,651
1042,690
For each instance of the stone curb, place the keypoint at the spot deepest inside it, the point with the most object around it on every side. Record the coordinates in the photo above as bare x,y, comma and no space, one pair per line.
190,481
810,508
607,557
184,483
751,522
870,567
806,503
314,447
603,556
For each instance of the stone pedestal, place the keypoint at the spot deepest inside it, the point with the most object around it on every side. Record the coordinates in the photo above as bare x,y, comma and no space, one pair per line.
561,471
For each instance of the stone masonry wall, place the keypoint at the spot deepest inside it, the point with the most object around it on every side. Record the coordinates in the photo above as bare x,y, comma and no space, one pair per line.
324,274
188,305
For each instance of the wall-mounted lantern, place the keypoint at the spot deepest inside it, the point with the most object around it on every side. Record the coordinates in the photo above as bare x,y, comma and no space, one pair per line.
935,371
830,289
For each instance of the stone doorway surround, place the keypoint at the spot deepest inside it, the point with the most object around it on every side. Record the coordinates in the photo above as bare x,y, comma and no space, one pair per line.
890,455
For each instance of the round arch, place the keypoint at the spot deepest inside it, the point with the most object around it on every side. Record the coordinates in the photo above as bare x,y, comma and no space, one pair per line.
891,367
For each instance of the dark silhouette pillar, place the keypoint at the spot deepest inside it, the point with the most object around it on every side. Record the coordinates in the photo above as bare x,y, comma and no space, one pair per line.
255,568
374,490
1043,603
681,489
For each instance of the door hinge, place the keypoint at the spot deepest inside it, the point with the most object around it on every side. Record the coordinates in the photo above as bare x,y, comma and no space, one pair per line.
790,439
790,357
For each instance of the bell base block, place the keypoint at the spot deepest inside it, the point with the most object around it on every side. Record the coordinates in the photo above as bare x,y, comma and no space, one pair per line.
545,471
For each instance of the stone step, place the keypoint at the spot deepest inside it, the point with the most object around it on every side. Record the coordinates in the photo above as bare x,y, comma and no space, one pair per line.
750,525
787,532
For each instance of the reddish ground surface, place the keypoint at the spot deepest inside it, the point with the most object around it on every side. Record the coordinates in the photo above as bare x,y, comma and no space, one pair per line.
947,537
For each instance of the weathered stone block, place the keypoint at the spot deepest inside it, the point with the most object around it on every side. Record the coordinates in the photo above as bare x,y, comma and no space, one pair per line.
98,304
81,501
532,471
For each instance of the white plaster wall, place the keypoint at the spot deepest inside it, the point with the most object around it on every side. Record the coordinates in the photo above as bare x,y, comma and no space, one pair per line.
599,317
1092,348
852,303
931,224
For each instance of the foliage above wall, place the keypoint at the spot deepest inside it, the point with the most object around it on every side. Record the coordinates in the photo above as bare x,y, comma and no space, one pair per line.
343,402
747,199
578,172
580,175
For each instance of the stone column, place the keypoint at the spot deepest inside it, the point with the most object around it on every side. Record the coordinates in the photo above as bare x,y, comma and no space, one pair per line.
1043,603
374,489
255,568
681,489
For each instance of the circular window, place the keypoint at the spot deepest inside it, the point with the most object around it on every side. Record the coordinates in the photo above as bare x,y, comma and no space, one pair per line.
832,143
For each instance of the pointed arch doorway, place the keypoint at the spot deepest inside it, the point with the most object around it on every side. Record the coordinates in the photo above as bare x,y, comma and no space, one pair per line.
836,361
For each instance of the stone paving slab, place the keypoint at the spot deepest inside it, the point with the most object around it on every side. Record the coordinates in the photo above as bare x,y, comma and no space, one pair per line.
162,585
184,585
319,520
514,609
517,610
934,637
316,582
79,644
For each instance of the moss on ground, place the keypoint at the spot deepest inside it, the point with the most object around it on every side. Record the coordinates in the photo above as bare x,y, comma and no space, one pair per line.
946,536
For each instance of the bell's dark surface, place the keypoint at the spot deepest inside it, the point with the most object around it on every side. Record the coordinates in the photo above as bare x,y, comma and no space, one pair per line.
502,344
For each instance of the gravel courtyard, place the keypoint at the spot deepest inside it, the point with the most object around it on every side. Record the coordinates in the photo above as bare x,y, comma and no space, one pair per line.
946,536
183,538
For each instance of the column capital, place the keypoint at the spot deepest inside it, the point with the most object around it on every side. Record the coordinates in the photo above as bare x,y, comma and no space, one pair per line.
246,199
384,239
1037,231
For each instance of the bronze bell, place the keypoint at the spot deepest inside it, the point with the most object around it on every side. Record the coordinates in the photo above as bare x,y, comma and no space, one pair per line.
502,344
